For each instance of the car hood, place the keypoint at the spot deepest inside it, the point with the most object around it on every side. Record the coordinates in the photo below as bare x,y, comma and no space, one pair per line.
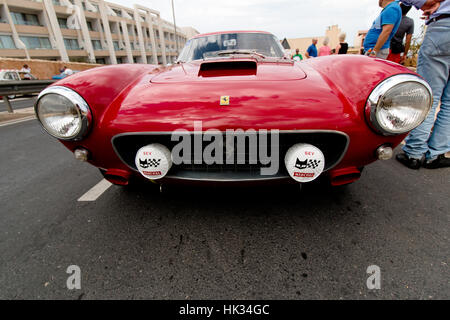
295,102
232,69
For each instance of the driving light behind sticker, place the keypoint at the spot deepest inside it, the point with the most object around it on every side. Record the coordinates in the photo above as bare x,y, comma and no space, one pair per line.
304,162
153,161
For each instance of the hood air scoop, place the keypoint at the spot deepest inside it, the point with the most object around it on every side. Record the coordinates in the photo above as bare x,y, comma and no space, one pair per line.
227,68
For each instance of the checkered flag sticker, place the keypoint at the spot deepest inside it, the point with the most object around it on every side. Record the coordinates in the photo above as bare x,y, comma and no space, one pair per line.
154,162
313,163
149,163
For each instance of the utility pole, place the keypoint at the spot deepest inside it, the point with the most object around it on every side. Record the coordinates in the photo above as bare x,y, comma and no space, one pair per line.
175,25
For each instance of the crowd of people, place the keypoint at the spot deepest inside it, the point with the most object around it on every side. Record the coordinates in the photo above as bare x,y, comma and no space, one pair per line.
324,50
390,38
388,32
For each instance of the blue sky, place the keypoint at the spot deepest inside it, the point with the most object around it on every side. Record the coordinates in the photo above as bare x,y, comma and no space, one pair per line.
284,18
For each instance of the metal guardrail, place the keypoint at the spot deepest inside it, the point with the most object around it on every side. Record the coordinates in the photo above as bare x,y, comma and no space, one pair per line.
8,88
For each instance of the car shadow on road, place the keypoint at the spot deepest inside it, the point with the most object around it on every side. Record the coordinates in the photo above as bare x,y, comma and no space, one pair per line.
257,201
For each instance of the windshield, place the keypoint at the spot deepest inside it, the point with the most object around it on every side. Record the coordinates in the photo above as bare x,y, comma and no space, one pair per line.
231,43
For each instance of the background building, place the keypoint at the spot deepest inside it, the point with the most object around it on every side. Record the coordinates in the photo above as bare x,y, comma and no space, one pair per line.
190,32
92,31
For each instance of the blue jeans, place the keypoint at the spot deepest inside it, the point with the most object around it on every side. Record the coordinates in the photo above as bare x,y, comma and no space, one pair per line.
434,66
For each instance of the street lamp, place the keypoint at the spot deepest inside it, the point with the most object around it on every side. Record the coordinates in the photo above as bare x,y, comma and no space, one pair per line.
175,25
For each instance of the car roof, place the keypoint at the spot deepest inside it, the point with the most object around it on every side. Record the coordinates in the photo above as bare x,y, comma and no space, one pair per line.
226,32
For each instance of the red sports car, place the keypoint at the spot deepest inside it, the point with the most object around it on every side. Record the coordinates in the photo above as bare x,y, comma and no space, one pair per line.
235,109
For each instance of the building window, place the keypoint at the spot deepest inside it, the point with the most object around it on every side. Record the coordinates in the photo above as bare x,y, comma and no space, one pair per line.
89,25
71,44
112,28
6,42
25,19
62,23
116,45
36,42
100,61
97,45
117,12
97,8
119,60
56,2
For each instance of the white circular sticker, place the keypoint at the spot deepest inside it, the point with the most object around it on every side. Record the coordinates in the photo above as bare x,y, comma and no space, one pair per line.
153,161
304,162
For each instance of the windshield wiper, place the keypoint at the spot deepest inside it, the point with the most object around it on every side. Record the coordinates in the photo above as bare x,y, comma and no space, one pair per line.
224,52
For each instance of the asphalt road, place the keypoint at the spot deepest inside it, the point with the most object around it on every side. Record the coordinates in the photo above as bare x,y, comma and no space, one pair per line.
18,103
195,243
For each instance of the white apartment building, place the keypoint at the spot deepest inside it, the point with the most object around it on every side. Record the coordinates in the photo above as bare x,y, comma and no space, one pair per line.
92,31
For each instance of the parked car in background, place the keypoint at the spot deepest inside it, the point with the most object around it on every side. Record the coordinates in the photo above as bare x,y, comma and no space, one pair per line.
65,72
11,75
15,75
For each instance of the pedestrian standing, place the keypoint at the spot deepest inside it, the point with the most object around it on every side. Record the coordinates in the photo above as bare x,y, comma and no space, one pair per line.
342,47
325,50
312,50
383,29
399,51
297,56
427,144
27,72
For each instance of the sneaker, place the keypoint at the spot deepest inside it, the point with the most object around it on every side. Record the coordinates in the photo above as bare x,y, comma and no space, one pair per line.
440,162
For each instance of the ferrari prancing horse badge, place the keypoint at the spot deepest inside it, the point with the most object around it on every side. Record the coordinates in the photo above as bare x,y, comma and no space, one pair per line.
225,100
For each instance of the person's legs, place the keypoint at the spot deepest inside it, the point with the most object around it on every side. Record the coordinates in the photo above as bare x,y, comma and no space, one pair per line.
433,66
440,138
394,57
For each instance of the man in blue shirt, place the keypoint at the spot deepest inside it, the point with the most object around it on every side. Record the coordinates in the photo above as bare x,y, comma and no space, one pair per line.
385,26
312,50
428,144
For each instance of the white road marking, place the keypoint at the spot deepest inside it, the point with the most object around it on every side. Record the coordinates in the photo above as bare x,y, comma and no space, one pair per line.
96,191
10,122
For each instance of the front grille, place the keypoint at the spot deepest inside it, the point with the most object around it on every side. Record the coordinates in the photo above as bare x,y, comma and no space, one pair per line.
333,145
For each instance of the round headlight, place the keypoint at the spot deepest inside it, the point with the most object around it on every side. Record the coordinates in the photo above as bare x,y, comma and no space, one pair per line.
63,113
399,104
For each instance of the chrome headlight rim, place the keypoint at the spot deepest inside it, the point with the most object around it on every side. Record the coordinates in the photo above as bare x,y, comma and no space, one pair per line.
83,110
375,99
